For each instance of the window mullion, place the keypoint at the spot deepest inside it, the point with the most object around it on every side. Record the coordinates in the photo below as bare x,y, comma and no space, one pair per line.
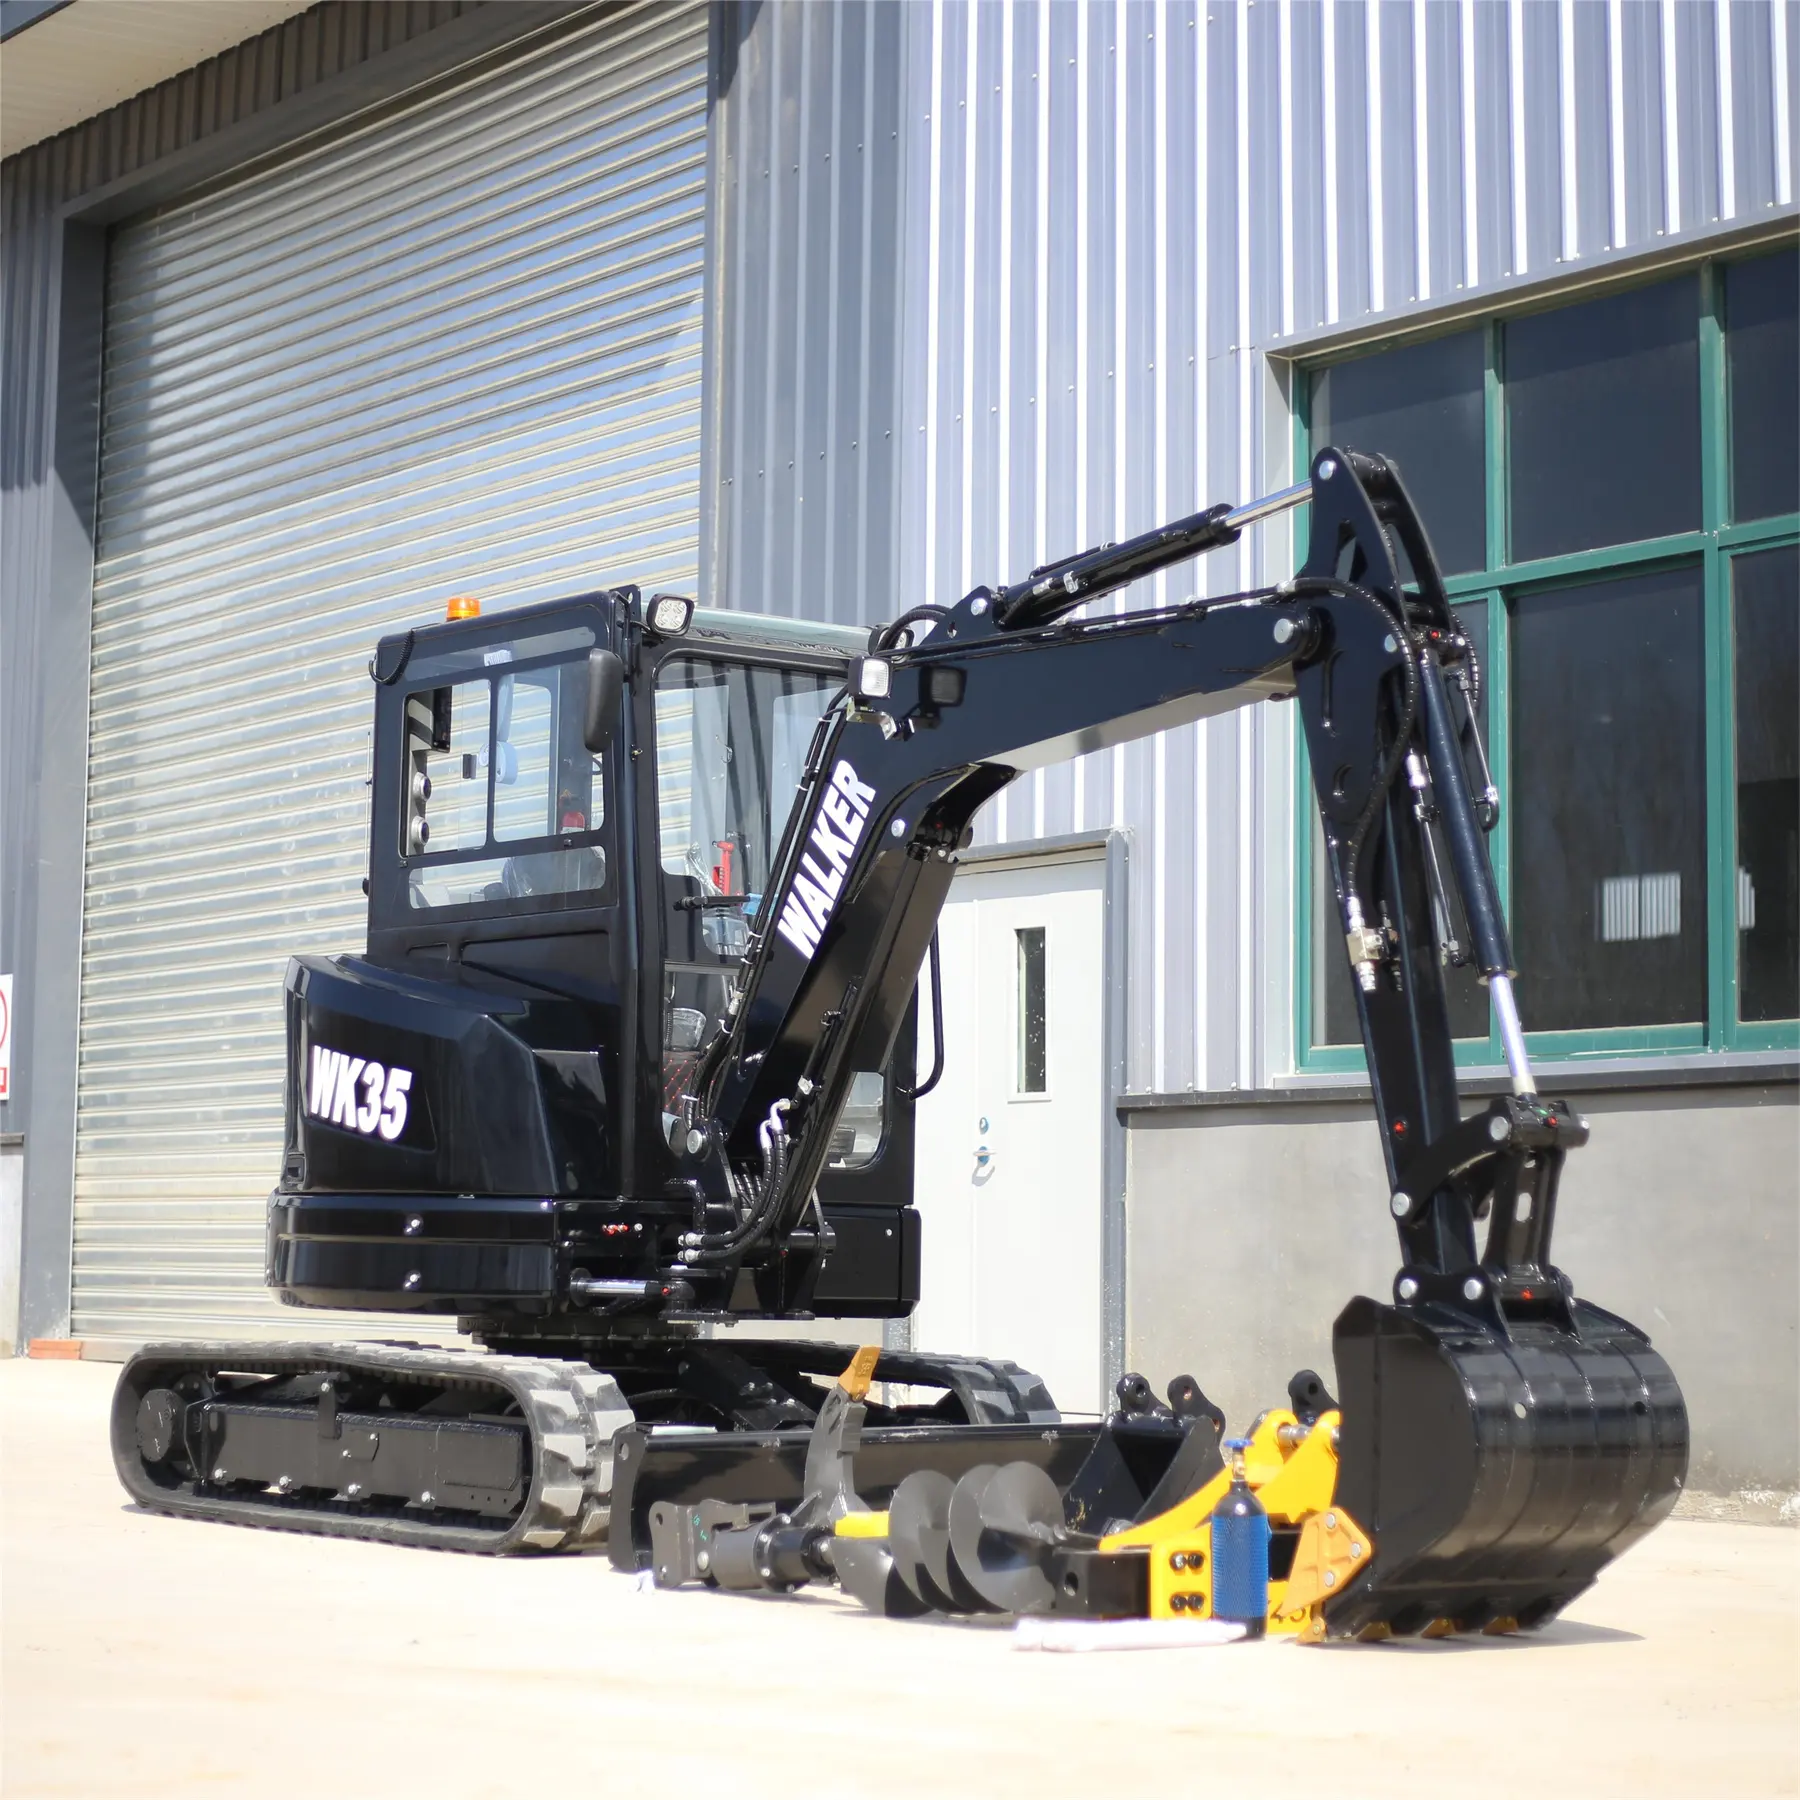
1498,637
1755,534
1714,420
1499,749
1494,421
1721,810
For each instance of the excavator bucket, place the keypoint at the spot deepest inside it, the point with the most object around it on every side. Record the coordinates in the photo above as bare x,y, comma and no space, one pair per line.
1499,1466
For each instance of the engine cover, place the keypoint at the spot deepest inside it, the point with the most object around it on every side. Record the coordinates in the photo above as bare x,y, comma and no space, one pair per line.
398,1084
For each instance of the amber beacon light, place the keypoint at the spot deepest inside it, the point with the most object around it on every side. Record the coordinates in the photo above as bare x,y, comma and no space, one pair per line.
463,606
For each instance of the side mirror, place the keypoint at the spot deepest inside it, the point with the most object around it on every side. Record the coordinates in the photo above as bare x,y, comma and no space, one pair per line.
605,690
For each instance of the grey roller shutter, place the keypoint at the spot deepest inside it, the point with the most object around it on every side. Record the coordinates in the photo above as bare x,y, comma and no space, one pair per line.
454,351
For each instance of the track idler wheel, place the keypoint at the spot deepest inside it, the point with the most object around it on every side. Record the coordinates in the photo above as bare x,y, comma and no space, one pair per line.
1498,1463
161,1415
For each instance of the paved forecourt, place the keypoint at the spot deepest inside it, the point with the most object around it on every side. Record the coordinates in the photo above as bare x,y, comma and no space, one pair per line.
144,1657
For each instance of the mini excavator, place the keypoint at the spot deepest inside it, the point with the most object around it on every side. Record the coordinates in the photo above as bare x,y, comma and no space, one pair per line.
630,1055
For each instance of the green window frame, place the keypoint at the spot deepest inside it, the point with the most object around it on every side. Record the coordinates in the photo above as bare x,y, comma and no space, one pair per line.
1500,585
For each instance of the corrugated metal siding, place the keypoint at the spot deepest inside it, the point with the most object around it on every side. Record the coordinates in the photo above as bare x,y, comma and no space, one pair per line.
1109,217
457,350
808,147
28,291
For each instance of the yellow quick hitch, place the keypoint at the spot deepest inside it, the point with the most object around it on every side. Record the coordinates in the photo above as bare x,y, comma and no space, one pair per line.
1263,1461
1181,1575
1292,1469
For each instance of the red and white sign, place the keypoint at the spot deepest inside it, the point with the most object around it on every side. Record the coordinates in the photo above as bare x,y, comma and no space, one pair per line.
5,1035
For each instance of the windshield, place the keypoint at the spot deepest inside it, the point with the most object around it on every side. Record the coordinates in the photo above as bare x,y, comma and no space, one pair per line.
731,743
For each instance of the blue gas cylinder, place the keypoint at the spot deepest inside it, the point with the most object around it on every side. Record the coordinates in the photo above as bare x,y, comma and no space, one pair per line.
1240,1551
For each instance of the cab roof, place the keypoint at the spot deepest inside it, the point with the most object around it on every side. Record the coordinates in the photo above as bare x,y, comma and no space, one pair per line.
715,625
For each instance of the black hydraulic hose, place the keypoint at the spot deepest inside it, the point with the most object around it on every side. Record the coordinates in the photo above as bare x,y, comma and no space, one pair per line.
745,1237
937,1030
751,1230
888,635
1474,663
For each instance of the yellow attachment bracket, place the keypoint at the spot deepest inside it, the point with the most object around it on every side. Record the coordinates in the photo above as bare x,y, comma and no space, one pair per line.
855,1379
1307,1478
1331,1549
861,1525
1292,1470
1181,1576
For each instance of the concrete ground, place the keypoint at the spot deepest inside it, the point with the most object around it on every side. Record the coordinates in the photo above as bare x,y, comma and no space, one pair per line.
148,1657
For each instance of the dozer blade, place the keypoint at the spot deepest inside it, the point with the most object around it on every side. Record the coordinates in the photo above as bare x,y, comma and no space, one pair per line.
1498,1469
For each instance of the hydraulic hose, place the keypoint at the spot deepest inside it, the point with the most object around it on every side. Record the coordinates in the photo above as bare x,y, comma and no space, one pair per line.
1474,661
937,1030
888,634
751,1229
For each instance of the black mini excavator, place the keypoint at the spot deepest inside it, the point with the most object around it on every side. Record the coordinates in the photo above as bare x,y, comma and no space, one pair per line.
630,1055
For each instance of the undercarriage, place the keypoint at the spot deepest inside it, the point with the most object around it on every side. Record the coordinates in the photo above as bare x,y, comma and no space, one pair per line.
496,1452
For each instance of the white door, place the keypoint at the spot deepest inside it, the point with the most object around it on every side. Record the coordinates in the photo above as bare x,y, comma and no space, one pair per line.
1009,1143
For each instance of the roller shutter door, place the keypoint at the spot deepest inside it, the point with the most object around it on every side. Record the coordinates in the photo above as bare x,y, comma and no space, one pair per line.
454,350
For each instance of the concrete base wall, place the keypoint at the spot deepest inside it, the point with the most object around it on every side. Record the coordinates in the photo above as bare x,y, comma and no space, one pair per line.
1249,1227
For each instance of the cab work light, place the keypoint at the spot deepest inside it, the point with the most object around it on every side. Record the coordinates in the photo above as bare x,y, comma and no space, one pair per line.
670,614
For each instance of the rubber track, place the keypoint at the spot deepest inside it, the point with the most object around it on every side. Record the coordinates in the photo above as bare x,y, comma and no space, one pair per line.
571,1412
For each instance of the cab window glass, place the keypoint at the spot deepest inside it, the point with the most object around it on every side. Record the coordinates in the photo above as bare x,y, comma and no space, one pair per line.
525,784
503,799
731,743
449,730
856,1137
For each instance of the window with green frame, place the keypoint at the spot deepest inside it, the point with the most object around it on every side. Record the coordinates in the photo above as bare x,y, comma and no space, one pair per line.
1612,488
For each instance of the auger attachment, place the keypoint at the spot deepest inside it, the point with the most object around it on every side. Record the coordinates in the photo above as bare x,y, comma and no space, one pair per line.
1003,1538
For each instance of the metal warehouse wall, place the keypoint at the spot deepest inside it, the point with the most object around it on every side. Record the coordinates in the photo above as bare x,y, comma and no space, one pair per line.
56,202
807,309
1111,222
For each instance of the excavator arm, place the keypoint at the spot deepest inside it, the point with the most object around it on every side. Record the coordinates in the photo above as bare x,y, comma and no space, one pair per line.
1006,681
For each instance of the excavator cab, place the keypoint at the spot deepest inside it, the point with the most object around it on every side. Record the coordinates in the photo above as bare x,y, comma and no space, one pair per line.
574,811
